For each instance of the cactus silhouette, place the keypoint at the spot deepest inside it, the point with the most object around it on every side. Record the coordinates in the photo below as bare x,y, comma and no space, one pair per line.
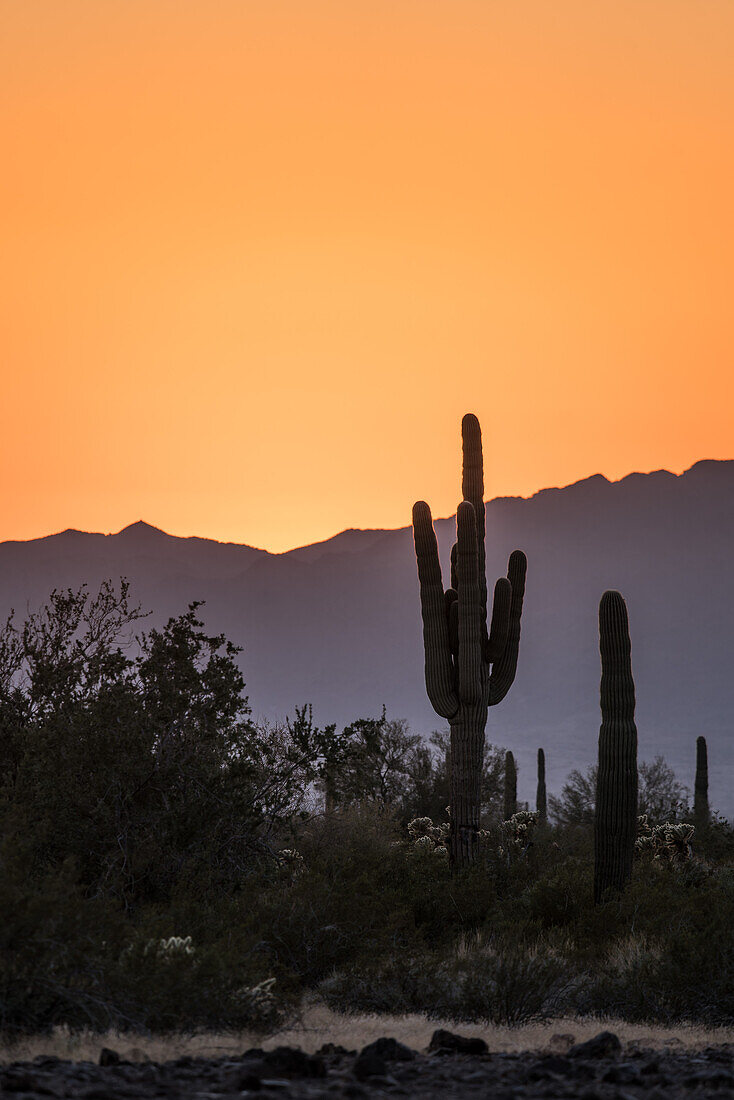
701,788
510,786
615,818
540,799
468,667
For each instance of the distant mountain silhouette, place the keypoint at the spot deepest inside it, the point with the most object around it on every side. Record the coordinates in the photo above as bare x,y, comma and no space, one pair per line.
338,623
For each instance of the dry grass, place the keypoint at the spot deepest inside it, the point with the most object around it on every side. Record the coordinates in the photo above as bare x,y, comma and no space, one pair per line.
320,1025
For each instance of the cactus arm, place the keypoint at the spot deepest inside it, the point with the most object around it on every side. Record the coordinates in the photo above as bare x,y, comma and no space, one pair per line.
454,578
439,667
452,615
504,669
500,626
472,487
471,623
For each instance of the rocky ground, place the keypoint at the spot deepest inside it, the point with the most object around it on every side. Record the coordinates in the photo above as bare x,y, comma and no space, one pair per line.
453,1066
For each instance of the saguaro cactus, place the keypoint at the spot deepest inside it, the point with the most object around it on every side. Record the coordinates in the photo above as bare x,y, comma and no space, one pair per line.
468,667
510,786
701,787
615,819
540,800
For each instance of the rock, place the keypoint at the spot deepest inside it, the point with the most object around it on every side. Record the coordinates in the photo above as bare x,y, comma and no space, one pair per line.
602,1045
333,1050
625,1073
710,1078
17,1079
650,1067
109,1057
553,1063
561,1042
446,1042
293,1062
390,1050
249,1081
369,1064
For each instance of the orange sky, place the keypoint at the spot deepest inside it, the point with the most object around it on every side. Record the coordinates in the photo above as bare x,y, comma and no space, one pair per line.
259,256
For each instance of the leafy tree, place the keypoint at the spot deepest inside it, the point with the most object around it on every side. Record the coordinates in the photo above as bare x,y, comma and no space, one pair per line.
660,795
428,795
370,760
135,756
575,805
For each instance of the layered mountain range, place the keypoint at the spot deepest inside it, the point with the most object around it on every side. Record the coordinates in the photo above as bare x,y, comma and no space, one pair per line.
337,624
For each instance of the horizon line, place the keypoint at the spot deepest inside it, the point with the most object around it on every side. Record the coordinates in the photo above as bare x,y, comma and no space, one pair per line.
362,530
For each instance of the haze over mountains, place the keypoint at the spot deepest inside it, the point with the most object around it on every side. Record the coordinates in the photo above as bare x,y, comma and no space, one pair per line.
338,623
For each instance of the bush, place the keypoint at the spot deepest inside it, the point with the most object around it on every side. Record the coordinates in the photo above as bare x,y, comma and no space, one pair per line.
496,982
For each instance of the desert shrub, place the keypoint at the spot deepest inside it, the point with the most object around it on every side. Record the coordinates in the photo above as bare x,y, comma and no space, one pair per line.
686,975
497,982
345,900
716,841
557,898
56,948
174,983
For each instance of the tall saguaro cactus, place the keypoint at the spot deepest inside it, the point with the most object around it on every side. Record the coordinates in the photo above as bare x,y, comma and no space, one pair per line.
541,802
615,820
510,786
468,666
701,787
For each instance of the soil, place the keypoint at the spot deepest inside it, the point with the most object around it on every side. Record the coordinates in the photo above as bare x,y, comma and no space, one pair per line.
453,1066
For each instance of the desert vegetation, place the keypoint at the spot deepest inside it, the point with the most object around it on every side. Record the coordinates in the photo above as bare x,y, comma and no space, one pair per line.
170,865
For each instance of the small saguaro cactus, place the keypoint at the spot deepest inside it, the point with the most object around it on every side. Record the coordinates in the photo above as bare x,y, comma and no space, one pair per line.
510,786
615,818
467,666
701,787
541,801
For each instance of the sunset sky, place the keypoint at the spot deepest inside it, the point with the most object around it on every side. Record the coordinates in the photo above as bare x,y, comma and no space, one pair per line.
259,256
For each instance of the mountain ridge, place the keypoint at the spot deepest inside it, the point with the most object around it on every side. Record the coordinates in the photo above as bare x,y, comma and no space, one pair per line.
141,527
337,623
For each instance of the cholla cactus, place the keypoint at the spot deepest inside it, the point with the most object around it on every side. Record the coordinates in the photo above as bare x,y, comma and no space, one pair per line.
175,947
667,843
292,861
423,826
511,839
519,829
428,837
258,1000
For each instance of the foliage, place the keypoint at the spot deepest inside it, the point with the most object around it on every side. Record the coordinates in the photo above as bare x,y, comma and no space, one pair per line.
660,795
139,761
166,863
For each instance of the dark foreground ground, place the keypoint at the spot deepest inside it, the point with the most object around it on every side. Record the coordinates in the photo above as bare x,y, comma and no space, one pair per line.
600,1069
